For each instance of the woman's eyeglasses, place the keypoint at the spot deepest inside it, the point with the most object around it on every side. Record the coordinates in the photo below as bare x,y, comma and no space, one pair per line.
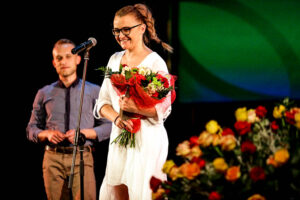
124,30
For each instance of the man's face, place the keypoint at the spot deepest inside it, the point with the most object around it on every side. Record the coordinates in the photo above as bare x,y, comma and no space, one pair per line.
64,61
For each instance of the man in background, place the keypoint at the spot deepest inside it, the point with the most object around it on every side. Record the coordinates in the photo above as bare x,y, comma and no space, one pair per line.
53,122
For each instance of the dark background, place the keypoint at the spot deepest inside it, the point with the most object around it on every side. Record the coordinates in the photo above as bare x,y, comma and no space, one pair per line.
34,28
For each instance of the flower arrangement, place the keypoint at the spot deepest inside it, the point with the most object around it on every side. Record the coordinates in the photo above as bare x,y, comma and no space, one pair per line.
258,158
146,88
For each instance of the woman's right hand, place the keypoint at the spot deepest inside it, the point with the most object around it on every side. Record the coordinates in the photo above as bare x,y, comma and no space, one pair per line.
122,124
108,112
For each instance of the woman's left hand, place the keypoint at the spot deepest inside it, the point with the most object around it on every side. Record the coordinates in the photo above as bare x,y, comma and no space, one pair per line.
128,104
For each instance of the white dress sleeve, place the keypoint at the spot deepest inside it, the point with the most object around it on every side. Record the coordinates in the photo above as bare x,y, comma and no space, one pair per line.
105,93
103,99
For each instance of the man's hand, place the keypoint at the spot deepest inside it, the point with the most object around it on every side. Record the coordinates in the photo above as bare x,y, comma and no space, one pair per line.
88,133
53,136
70,135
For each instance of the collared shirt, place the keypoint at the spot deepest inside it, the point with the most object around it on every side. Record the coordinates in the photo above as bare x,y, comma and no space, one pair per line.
57,108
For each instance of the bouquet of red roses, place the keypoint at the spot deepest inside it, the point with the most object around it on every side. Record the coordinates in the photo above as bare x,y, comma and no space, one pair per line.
146,88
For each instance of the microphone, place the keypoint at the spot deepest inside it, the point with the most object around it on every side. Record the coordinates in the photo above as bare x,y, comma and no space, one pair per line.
85,45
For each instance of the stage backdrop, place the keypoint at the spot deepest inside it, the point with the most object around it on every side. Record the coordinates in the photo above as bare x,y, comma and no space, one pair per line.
238,50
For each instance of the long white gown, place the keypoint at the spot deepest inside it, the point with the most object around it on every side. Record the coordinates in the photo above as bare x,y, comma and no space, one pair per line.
135,166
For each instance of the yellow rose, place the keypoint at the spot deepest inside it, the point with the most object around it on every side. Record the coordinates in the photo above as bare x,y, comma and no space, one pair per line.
168,166
228,142
205,139
256,197
278,110
175,173
195,152
190,170
281,156
241,114
297,125
183,148
158,194
216,139
251,114
220,164
233,173
212,126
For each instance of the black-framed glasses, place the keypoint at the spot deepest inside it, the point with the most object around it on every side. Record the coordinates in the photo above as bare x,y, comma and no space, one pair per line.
124,30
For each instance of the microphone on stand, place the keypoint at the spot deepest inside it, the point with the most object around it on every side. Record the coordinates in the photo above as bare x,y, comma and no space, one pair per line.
85,45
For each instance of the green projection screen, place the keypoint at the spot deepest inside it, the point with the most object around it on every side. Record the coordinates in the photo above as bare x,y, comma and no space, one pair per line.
238,50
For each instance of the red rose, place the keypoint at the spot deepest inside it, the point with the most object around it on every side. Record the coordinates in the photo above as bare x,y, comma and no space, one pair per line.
194,140
248,147
155,183
214,196
139,78
242,127
257,173
131,81
290,117
261,111
199,161
274,126
159,76
155,94
227,131
165,82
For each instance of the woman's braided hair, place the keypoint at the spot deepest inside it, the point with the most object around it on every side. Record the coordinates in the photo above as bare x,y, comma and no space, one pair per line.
142,13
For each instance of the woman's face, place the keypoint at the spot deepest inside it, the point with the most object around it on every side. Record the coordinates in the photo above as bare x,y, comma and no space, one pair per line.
128,31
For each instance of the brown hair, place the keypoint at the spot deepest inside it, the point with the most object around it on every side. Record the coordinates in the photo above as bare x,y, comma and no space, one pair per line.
63,41
143,13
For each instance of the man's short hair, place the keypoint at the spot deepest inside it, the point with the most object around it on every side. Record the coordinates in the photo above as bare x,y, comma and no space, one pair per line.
64,41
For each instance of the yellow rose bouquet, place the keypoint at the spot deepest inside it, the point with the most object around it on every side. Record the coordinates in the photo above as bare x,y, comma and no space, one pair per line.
258,158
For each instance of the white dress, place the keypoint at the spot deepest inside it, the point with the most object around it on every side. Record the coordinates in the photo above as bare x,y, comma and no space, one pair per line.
135,166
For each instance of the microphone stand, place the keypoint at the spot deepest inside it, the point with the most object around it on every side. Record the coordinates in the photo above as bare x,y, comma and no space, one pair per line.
80,139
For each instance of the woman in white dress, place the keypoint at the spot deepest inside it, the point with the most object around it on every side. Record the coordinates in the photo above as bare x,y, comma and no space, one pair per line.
129,170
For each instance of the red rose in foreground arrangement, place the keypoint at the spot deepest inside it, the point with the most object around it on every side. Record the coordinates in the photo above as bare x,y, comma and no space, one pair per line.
214,196
274,126
257,173
194,140
248,147
154,183
242,127
227,131
261,111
